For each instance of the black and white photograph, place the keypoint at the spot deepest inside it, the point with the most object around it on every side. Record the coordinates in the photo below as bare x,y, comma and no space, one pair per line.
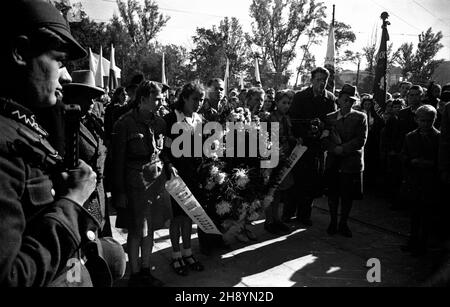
221,150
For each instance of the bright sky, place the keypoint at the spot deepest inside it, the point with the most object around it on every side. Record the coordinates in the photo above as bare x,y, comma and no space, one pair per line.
408,19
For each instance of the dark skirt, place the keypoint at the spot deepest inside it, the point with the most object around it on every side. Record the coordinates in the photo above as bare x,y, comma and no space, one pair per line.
148,209
344,185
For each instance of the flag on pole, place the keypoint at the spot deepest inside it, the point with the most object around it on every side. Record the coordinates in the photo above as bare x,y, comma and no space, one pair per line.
92,62
226,79
112,79
105,64
380,82
241,81
330,57
257,76
163,77
99,73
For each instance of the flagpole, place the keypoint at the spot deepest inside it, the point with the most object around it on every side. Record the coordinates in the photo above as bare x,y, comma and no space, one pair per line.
334,9
384,17
163,76
330,56
92,65
227,77
112,79
99,72
257,74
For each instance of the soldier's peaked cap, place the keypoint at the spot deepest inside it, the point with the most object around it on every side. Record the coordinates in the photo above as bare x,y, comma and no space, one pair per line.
20,17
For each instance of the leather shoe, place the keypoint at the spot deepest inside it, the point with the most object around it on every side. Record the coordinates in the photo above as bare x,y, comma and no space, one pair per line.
179,267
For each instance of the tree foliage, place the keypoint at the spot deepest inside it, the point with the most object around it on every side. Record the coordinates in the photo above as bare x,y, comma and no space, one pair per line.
213,46
132,39
343,37
143,23
421,64
313,37
370,53
277,28
178,67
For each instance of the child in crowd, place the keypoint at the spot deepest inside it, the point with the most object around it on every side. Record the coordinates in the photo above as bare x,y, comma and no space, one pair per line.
274,213
185,115
420,157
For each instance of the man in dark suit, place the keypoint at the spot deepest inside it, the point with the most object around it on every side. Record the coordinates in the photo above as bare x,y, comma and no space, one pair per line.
348,131
406,117
309,108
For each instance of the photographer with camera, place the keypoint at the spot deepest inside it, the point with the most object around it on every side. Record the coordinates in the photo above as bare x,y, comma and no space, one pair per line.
308,111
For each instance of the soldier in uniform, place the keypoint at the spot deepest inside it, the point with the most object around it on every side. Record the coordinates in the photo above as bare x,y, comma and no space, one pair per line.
308,110
42,228
81,91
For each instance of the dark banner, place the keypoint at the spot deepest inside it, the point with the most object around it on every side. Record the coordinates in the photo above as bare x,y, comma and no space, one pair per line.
380,82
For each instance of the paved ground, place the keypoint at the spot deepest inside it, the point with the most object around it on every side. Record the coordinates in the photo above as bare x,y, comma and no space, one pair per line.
306,257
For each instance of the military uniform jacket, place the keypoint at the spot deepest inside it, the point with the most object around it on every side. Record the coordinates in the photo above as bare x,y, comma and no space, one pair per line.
93,152
39,233
137,141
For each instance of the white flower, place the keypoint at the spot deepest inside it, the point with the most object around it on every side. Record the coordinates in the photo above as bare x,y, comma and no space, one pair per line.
240,173
241,178
214,171
210,185
234,116
214,156
220,178
216,144
223,208
242,182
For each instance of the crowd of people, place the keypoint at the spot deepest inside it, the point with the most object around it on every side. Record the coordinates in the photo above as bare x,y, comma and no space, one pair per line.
52,213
